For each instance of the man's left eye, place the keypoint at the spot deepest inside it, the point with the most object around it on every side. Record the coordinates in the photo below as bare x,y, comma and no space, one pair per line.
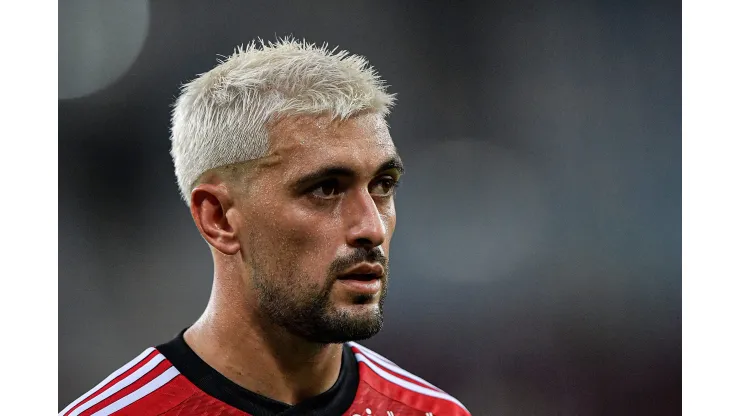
383,187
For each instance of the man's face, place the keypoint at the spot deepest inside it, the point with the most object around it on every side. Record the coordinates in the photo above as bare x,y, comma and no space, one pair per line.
320,204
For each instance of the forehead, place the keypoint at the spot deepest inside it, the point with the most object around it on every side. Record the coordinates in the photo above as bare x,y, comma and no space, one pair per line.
306,142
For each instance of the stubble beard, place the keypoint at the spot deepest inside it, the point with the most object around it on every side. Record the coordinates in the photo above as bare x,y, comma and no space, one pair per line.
306,310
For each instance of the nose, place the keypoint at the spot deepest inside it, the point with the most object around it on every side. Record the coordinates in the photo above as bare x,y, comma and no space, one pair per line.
366,226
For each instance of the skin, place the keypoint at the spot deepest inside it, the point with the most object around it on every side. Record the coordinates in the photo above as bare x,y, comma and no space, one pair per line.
282,228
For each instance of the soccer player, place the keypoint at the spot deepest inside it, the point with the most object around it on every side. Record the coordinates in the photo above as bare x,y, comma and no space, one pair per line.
283,155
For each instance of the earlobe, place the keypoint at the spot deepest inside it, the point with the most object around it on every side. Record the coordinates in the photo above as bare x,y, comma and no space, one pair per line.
209,205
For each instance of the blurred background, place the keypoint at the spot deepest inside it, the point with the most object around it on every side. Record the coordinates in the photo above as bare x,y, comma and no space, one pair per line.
537,259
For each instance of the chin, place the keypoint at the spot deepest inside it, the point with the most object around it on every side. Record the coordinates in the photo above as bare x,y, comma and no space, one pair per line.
354,322
369,300
360,314
360,306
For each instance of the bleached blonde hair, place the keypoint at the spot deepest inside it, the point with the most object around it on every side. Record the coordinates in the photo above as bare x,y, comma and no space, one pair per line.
221,117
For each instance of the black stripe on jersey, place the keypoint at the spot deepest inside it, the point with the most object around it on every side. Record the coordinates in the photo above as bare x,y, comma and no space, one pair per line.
334,401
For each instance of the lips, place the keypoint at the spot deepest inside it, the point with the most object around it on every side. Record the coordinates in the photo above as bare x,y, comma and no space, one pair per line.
363,272
365,278
360,277
363,287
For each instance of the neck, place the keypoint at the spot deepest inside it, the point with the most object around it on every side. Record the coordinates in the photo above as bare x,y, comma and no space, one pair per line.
256,355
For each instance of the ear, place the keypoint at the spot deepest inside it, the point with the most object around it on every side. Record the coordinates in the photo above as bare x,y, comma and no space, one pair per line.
209,206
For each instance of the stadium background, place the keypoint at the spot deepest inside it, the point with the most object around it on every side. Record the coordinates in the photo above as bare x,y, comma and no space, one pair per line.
536,265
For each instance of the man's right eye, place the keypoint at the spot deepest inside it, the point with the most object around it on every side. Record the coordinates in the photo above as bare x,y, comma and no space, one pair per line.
326,189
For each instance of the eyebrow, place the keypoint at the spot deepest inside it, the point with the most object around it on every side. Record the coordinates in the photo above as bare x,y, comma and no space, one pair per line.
392,163
334,171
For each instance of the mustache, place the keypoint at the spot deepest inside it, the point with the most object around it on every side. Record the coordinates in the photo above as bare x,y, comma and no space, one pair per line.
374,255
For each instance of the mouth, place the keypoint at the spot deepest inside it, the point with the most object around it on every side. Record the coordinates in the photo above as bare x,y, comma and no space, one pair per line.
364,272
363,279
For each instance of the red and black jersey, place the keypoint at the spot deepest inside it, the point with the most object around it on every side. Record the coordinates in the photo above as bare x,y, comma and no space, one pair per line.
171,380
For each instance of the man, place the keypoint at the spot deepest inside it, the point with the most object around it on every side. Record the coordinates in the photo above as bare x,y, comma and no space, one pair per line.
283,155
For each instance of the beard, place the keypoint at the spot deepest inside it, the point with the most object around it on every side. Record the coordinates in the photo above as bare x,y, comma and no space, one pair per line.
306,309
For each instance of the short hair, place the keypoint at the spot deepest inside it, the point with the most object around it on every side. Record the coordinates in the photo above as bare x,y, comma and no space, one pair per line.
221,117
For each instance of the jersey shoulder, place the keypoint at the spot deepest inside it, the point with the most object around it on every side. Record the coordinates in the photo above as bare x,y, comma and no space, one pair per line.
386,378
148,385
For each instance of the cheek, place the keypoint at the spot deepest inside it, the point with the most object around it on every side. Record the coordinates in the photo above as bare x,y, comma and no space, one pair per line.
306,227
389,219
306,239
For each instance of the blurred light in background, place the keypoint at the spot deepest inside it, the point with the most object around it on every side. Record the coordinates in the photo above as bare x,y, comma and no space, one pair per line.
98,42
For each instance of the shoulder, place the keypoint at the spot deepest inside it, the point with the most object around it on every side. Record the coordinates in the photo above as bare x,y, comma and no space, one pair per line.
397,384
147,385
